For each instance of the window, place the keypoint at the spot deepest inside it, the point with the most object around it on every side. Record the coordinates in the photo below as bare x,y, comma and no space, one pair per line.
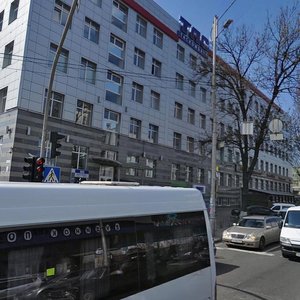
3,95
111,120
179,81
135,128
178,111
230,155
191,116
79,157
200,175
177,141
61,12
88,71
116,51
56,104
13,14
141,26
222,130
91,30
237,180
119,15
84,113
188,174
192,89
203,95
157,38
139,58
131,172
222,154
155,100
193,61
132,159
202,121
261,165
267,166
137,92
180,53
175,171
156,68
150,168
8,52
1,19
62,64
229,180
153,134
114,86
190,144
97,2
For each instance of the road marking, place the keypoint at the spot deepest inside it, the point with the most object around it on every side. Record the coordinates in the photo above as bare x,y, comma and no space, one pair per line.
246,251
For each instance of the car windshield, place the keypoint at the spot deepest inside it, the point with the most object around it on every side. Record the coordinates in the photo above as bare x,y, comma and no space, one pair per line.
292,219
254,223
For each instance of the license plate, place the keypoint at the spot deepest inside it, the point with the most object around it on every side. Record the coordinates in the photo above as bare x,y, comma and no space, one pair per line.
237,241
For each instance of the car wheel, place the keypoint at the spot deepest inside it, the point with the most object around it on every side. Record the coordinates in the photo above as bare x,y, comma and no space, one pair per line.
88,296
262,243
284,255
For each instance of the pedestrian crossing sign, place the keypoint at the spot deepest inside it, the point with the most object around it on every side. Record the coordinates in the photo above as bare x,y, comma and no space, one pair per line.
52,174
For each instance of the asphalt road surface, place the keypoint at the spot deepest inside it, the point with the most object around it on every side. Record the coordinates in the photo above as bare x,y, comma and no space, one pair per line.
244,274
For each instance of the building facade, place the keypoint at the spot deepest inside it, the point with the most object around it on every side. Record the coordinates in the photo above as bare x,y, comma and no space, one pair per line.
124,95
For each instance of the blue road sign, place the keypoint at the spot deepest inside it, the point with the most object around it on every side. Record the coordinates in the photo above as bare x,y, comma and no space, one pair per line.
52,174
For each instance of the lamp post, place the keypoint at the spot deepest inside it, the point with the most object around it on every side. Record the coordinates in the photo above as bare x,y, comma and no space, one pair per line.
212,201
52,74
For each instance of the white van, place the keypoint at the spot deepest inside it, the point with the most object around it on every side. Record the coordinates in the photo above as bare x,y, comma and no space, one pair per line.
281,207
98,241
290,233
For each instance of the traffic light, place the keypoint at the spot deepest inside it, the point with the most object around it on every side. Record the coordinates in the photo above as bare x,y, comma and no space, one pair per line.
39,169
29,169
55,143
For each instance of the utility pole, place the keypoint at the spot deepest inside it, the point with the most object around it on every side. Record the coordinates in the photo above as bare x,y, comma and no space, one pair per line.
212,202
52,74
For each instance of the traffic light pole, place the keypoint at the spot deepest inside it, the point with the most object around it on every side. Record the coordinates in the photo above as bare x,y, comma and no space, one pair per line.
52,74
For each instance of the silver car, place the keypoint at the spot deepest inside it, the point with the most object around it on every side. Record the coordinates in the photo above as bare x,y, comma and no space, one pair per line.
253,232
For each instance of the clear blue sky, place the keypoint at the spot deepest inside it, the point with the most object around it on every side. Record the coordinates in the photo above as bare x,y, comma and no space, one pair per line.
252,13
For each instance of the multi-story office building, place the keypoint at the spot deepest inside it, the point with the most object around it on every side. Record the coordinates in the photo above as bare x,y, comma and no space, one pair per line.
124,96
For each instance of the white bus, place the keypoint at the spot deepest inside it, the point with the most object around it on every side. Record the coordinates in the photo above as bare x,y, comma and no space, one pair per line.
82,241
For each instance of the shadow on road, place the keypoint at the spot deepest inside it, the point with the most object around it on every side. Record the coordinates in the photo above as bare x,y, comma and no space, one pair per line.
253,296
224,268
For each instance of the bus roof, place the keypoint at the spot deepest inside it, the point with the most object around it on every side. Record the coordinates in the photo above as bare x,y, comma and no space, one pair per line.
42,203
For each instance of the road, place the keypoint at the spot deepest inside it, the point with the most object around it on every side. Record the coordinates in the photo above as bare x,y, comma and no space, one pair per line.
251,274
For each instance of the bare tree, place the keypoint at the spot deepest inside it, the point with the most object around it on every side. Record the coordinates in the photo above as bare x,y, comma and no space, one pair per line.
251,61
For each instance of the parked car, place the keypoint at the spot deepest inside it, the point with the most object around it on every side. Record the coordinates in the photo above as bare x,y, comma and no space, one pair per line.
281,207
253,232
260,210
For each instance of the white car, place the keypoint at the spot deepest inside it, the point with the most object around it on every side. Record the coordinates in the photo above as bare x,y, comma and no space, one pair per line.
281,207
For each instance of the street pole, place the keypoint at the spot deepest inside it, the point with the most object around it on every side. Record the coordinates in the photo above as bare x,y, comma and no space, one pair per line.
52,74
214,130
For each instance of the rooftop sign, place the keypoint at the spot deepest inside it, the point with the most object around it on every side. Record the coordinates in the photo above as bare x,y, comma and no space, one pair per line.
191,36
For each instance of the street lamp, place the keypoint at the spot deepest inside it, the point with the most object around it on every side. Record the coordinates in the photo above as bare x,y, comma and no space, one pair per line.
212,201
